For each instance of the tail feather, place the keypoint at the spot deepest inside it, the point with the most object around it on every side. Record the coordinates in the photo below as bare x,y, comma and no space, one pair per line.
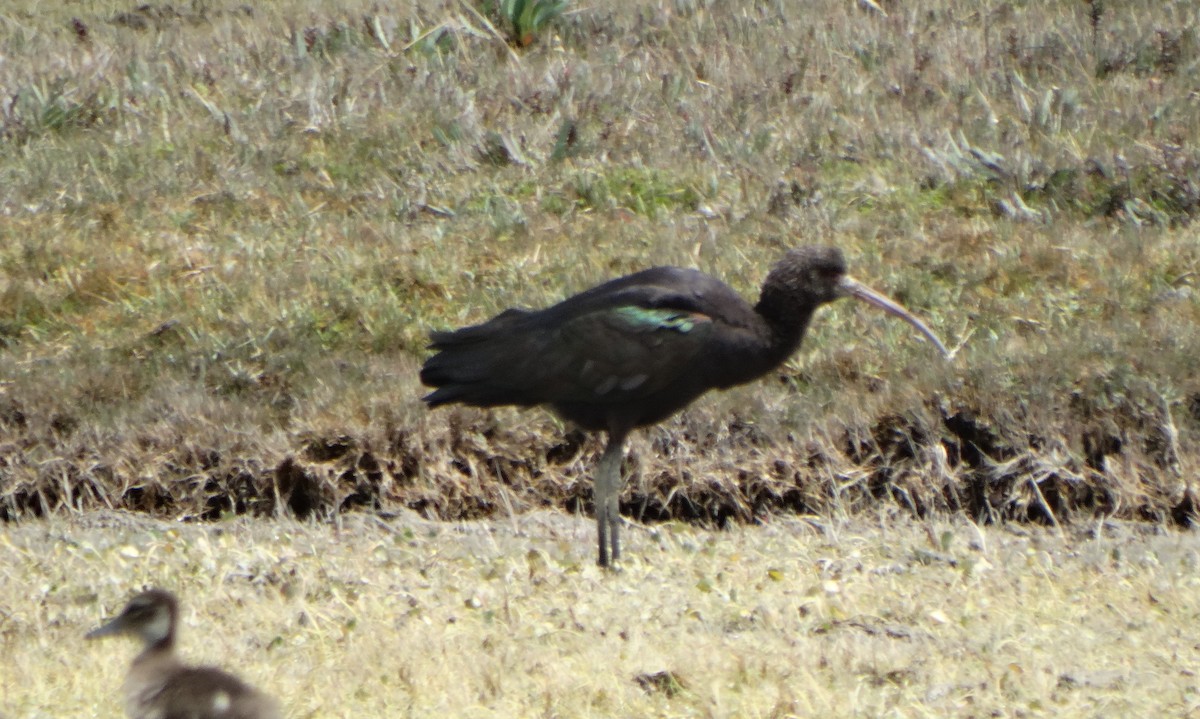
484,365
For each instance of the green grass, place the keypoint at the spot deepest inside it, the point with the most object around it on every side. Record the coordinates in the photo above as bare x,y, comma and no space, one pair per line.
232,229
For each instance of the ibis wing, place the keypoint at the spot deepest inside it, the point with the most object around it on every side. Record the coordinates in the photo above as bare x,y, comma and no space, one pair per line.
618,342
619,354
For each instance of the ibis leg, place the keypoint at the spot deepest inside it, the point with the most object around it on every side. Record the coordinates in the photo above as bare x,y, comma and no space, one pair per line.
607,494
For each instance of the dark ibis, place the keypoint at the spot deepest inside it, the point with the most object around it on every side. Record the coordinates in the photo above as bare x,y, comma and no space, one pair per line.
637,349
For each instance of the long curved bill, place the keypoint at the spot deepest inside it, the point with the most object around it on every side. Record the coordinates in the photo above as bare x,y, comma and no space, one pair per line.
853,288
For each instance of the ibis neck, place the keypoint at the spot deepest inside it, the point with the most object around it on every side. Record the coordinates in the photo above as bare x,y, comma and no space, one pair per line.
784,340
778,335
785,323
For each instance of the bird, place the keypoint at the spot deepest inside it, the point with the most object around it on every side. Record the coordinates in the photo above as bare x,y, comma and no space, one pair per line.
159,686
635,350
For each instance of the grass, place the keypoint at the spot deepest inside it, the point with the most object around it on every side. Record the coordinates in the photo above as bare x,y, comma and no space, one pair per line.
225,233
240,242
873,617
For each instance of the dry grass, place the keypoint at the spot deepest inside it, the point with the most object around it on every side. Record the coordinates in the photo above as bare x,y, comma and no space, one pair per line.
876,617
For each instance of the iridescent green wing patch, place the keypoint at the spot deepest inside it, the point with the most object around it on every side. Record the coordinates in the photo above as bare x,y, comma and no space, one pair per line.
625,351
661,318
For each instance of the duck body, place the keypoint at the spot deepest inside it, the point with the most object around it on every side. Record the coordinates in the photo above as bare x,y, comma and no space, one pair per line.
160,686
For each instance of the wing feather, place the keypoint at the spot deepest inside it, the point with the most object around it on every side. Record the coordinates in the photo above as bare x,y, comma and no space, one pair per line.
620,354
613,344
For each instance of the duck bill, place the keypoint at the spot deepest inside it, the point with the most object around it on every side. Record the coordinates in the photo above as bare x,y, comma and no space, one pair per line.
107,630
850,287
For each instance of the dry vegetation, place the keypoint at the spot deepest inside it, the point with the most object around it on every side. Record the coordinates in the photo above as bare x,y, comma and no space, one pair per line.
226,229
431,619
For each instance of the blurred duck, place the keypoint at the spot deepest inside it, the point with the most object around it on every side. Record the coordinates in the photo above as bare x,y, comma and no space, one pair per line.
159,686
